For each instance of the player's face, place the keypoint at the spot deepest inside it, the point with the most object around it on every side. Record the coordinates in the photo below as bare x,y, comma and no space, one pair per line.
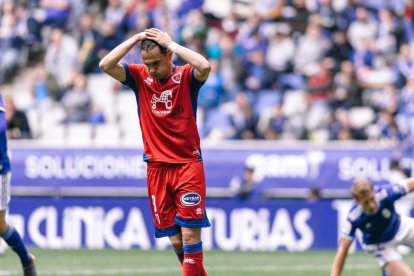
368,203
158,65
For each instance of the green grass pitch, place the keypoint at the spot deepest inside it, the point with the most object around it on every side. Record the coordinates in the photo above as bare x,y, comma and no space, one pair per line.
217,263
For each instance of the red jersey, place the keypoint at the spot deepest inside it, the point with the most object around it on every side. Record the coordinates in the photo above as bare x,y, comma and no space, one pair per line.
167,112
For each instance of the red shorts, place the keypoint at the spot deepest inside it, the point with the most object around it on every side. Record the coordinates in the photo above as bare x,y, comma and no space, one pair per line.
177,194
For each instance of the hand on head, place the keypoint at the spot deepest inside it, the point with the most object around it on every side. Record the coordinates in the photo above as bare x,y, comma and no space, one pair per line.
162,38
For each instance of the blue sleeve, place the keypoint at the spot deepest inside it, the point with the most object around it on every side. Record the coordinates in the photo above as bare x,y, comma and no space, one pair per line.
348,230
3,122
394,192
195,83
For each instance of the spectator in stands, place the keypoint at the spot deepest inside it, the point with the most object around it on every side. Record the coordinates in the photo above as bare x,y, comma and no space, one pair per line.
405,116
275,124
389,129
404,65
115,14
362,29
17,122
77,101
61,57
310,49
339,50
87,41
244,185
314,194
320,84
11,41
107,40
228,53
244,119
45,86
280,51
212,92
385,98
362,37
389,35
346,90
396,172
326,17
53,12
299,18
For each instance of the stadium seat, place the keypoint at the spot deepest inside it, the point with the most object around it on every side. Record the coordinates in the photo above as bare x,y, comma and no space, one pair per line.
294,102
79,134
106,135
361,116
267,99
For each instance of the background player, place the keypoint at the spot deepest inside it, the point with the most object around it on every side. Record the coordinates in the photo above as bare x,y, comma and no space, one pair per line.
166,95
373,212
7,232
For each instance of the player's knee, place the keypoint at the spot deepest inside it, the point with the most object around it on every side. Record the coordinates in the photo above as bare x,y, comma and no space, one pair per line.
191,236
3,227
176,243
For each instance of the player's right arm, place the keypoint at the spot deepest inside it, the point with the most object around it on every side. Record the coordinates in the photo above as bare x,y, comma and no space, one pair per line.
110,63
340,257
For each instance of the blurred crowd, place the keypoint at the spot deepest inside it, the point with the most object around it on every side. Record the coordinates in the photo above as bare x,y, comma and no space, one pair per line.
281,69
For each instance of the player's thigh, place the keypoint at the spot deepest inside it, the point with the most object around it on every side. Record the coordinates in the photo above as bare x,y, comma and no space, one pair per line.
190,189
191,235
160,197
398,268
405,235
384,253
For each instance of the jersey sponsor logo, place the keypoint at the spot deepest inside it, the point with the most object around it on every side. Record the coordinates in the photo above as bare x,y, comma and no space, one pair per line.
176,78
149,80
164,98
190,199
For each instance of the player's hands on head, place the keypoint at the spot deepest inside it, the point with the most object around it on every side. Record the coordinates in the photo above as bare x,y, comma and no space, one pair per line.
141,36
160,37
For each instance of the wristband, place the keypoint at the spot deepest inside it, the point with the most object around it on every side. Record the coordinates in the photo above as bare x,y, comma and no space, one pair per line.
173,47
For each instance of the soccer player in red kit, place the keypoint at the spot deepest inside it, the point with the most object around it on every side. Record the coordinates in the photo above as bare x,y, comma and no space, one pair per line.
166,96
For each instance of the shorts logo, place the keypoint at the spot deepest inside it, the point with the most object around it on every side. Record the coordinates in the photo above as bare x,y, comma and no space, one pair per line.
190,199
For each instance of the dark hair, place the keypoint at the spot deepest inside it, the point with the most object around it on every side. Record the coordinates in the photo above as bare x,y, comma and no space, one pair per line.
148,45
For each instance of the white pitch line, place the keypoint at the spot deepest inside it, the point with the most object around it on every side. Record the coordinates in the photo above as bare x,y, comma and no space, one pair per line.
120,271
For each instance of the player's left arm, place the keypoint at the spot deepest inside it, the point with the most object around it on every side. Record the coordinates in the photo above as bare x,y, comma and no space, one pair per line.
409,182
201,65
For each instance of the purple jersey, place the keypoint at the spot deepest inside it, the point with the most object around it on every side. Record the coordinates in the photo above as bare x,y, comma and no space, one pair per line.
383,225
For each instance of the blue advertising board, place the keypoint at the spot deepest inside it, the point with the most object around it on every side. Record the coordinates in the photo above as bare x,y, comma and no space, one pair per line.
327,168
126,223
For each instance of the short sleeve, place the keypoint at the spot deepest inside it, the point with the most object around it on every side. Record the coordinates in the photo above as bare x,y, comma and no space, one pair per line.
348,230
132,73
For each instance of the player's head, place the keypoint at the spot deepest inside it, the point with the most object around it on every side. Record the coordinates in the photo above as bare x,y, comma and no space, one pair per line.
156,58
363,192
